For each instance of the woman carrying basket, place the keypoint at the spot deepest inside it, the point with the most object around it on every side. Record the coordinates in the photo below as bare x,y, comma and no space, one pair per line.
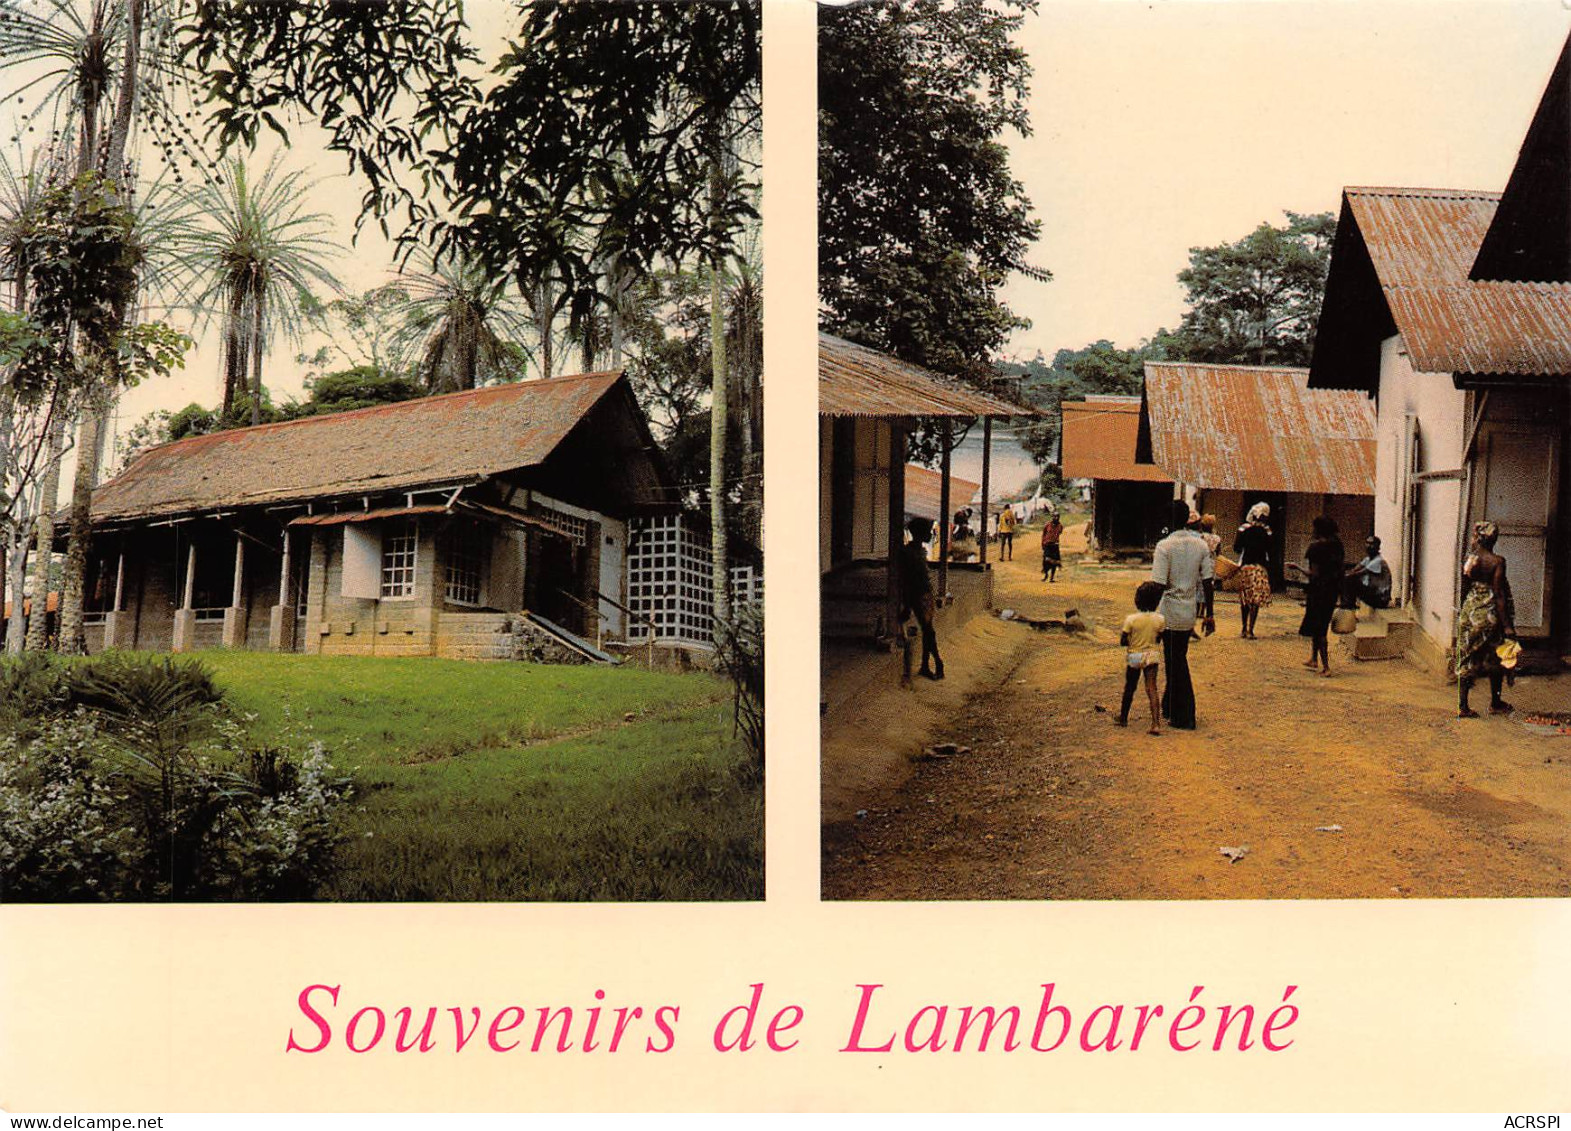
1253,547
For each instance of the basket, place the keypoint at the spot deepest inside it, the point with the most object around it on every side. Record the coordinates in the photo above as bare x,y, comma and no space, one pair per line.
1344,621
1229,574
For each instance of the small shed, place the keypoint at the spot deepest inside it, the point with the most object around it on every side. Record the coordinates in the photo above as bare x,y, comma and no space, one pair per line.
1236,435
868,405
1128,498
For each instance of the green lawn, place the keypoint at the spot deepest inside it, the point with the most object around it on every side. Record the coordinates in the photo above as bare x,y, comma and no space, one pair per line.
479,781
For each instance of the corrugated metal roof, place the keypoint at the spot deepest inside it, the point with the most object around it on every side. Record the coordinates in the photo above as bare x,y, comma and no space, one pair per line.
1422,243
1258,428
451,438
1099,441
856,381
923,487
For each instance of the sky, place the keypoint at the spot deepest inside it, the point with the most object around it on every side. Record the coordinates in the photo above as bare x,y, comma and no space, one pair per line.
1163,126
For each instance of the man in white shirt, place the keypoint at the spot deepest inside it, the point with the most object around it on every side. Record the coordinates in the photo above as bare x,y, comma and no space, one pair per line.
1182,566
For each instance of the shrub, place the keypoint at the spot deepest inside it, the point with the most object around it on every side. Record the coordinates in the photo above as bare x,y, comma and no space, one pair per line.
149,784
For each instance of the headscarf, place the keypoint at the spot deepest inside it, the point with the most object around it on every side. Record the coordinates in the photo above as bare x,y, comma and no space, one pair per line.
1486,531
1259,512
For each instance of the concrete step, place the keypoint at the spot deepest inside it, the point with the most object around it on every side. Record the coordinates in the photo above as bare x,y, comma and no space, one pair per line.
1383,634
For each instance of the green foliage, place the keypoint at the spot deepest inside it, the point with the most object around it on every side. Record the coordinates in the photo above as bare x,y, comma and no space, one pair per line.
740,654
360,387
460,327
126,777
1256,301
386,81
920,219
625,140
82,254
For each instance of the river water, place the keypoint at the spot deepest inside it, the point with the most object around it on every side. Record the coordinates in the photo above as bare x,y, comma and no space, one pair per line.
1012,469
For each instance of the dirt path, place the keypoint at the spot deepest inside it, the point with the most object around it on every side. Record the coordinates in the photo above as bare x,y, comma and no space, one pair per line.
1055,802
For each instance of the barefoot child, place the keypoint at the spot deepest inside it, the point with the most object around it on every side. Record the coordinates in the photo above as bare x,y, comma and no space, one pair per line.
1141,637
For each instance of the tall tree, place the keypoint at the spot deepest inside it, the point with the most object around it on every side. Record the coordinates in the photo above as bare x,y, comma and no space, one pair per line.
255,254
619,138
1255,301
920,219
461,327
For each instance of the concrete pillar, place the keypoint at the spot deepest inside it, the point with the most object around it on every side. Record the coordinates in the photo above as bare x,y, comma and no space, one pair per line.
281,624
896,526
118,624
987,458
185,615
235,615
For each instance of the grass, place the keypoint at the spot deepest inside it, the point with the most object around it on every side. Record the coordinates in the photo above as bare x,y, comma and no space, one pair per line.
518,781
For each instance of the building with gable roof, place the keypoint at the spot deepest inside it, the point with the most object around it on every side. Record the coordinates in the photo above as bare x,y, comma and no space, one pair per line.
1236,435
1451,310
1129,499
411,529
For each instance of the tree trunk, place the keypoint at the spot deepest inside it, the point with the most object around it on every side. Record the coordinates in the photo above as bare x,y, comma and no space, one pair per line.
44,534
543,321
719,400
120,129
234,363
16,581
618,298
256,358
73,638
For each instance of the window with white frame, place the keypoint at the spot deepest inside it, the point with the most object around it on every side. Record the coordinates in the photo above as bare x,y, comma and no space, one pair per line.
465,553
399,542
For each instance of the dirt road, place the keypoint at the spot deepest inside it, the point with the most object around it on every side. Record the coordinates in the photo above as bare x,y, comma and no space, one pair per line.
1054,802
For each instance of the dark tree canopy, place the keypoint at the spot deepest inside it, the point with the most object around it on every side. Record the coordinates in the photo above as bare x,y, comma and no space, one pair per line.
1256,301
1100,367
920,219
385,79
595,146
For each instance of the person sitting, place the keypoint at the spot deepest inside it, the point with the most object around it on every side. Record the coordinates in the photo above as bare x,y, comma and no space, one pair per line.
1370,580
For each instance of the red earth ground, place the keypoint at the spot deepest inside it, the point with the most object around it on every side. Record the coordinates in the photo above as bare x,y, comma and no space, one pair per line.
1054,802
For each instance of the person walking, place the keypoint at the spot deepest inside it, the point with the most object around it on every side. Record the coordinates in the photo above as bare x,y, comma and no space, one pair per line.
1006,534
1182,566
1052,558
1322,589
1253,547
1486,620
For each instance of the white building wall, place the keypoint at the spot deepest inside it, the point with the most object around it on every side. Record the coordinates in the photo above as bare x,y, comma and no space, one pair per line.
1441,411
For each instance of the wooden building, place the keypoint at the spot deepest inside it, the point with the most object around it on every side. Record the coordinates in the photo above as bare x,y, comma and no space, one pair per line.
1232,436
410,529
868,405
1129,499
1450,310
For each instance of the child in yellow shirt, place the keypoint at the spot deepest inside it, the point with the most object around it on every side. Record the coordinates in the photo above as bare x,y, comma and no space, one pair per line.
1141,638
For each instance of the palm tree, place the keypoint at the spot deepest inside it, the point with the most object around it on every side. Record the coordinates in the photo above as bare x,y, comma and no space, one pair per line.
462,327
254,253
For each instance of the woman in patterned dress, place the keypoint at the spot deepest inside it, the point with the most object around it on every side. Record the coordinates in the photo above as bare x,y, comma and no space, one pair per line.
1484,622
1253,547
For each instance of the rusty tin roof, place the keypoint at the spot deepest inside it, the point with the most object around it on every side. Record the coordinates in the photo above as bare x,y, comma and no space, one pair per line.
923,491
856,381
457,437
1422,243
1099,441
1257,428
